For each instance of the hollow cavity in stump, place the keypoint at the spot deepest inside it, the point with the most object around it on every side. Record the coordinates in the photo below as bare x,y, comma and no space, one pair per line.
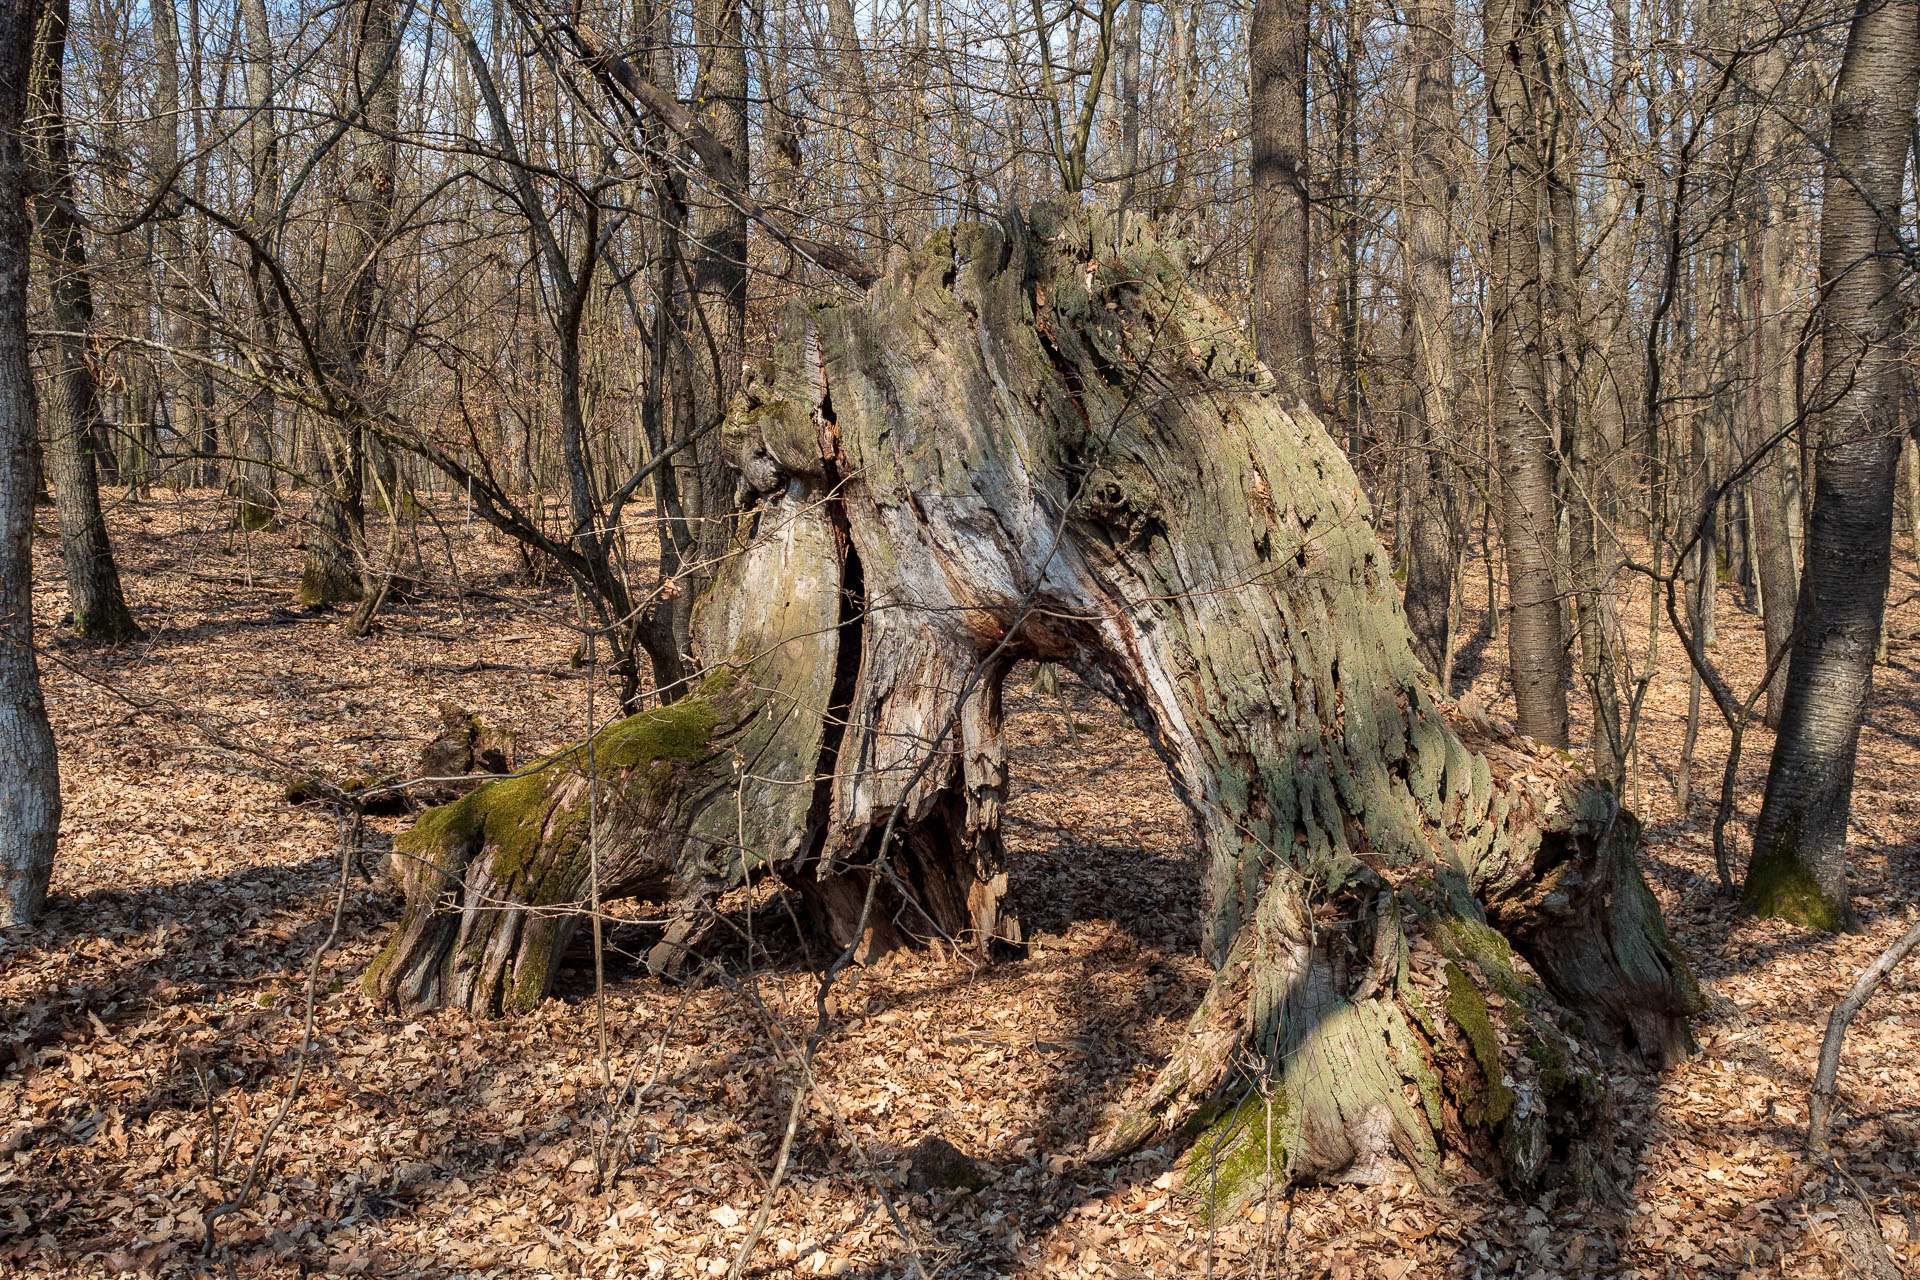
1033,440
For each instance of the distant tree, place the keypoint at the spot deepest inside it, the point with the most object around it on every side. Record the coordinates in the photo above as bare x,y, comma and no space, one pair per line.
1282,247
1518,211
70,405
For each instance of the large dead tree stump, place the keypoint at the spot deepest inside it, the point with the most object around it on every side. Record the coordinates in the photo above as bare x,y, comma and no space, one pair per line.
1032,440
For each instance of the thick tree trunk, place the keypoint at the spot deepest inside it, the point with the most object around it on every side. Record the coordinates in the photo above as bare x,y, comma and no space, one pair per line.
71,406
29,775
1034,441
1798,869
338,568
1277,41
1522,413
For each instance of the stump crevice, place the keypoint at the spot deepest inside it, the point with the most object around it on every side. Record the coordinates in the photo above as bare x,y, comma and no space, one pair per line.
1032,440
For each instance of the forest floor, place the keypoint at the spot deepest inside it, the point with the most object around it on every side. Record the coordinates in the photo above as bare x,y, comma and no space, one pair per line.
151,1028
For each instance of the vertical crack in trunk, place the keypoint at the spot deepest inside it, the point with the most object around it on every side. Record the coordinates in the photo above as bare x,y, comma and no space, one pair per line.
1423,934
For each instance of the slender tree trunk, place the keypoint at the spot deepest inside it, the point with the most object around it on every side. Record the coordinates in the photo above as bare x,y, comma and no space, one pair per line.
70,406
1588,574
718,311
1346,151
1127,78
1775,339
1282,226
253,430
858,108
29,773
1798,869
667,412
1430,524
1522,412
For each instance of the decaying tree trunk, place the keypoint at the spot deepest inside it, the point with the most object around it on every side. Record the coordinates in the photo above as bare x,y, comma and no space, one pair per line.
1033,441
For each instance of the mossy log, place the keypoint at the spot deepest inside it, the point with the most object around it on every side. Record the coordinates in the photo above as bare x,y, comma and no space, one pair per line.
1033,440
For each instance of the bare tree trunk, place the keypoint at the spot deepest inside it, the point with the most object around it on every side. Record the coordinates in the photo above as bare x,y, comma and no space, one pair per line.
29,773
1798,869
339,568
1518,207
70,406
186,407
1430,524
253,441
858,109
1775,340
849,718
1588,575
1282,226
718,311
1127,76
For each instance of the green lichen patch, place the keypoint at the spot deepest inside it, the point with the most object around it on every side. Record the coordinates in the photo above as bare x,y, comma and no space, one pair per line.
1468,1009
679,731
1466,939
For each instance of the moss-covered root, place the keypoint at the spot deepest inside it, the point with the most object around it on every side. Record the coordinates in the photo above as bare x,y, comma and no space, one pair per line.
1442,1042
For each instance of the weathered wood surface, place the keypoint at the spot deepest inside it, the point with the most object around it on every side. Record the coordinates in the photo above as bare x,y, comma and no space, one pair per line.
1032,440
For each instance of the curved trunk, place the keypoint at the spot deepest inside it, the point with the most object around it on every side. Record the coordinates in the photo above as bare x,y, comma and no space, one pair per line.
71,406
1034,441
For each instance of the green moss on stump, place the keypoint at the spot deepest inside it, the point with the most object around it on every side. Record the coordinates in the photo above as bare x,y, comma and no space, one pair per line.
518,817
1468,1009
1483,945
1233,1156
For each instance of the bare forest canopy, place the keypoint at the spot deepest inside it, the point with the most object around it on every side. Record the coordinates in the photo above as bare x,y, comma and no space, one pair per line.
1379,406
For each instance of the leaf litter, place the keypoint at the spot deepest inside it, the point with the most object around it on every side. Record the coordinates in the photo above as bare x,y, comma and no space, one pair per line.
150,1027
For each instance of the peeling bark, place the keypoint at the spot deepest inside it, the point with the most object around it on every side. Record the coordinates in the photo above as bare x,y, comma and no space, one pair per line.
1032,440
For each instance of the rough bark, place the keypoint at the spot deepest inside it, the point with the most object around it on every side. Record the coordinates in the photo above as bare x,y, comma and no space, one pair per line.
71,406
1432,517
337,569
1032,440
1798,869
1282,246
29,774
1522,414
254,481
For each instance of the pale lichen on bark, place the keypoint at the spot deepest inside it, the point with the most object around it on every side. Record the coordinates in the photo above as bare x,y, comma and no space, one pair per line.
1033,440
